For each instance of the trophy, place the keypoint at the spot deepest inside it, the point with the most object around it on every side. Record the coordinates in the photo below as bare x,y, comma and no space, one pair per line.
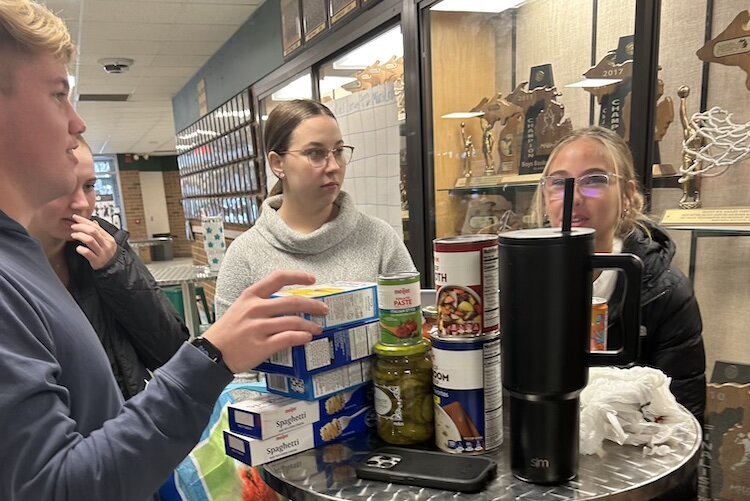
543,118
491,112
730,47
691,184
610,82
468,151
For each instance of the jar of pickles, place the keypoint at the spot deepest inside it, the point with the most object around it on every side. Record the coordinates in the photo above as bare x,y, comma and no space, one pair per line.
402,376
430,315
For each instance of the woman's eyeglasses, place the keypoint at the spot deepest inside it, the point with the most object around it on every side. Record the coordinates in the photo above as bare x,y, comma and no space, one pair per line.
590,186
318,157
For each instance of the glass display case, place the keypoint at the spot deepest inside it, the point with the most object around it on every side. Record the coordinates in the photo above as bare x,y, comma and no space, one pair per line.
508,79
704,54
109,204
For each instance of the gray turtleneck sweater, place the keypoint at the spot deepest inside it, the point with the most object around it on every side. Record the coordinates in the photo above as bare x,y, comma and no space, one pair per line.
353,246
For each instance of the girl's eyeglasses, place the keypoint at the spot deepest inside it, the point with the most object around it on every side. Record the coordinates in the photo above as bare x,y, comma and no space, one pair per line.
590,185
318,157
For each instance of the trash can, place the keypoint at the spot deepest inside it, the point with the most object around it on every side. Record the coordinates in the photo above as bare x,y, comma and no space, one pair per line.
163,248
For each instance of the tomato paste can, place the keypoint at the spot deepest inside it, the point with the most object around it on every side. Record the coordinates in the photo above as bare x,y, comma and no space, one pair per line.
599,314
400,307
467,390
466,278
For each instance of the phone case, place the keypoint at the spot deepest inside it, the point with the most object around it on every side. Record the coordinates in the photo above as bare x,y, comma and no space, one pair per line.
422,468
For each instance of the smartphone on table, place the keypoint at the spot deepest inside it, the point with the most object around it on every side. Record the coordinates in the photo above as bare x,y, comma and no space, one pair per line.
437,470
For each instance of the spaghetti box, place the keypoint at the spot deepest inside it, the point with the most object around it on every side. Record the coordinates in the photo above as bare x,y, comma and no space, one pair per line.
349,303
322,384
254,452
327,351
265,415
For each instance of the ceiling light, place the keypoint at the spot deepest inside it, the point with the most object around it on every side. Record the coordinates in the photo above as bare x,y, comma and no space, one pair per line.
463,114
490,6
300,88
380,48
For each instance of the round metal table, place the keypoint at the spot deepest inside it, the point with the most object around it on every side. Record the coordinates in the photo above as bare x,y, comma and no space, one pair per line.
623,473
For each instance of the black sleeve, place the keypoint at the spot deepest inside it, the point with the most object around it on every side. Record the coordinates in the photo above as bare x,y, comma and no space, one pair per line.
674,342
152,324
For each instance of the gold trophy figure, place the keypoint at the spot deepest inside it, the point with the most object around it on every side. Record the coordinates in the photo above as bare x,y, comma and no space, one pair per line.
468,151
691,186
488,141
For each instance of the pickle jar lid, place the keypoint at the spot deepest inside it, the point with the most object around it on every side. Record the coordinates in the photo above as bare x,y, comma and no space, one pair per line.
430,311
388,350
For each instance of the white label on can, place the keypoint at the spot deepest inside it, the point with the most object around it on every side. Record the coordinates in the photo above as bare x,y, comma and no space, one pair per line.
457,370
463,268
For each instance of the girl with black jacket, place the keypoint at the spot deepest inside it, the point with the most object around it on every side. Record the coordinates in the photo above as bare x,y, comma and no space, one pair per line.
137,325
607,199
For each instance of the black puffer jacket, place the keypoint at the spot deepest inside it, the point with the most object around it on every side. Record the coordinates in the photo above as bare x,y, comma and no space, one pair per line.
670,314
137,325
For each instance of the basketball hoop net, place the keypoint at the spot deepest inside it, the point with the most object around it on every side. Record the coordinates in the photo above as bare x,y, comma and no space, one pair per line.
716,144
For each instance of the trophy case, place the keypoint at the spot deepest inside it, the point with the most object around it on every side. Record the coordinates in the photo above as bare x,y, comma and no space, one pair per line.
506,84
704,55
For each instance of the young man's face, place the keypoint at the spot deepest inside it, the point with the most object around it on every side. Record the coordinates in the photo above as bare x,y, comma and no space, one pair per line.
38,129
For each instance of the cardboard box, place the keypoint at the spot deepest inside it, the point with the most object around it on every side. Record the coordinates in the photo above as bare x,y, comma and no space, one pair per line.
255,452
265,415
327,351
349,303
322,384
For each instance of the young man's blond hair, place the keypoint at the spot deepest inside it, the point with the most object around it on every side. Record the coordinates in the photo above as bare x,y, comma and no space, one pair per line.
26,28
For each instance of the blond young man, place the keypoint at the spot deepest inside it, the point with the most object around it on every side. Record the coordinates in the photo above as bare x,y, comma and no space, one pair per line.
66,434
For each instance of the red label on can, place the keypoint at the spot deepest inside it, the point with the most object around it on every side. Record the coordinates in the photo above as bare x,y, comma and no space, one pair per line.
466,278
599,314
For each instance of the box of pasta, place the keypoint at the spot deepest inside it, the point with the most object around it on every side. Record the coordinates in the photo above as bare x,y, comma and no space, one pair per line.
329,350
264,415
254,452
321,384
349,303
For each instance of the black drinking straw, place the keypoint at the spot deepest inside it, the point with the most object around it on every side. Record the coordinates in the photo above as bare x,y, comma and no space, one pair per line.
568,204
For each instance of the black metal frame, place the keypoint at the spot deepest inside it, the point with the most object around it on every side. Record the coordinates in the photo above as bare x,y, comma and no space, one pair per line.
643,96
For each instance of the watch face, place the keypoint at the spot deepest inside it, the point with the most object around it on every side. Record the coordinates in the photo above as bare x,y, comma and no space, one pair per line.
208,349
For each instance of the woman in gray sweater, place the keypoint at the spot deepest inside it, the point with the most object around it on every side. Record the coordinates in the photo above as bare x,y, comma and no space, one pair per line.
308,223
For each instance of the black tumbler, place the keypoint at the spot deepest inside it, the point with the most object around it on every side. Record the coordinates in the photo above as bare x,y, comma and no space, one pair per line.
545,315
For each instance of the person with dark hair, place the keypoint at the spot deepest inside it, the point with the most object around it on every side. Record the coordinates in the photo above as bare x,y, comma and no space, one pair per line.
310,224
139,328
608,200
67,434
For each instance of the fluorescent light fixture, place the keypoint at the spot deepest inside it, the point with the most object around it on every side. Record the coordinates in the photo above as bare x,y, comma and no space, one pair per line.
380,48
71,81
332,83
463,114
300,88
593,83
490,6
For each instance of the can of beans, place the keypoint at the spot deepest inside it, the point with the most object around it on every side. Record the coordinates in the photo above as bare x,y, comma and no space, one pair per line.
599,314
466,278
399,301
468,393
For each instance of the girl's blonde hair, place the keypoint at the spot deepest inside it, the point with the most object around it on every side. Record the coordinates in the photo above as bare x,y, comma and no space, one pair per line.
622,159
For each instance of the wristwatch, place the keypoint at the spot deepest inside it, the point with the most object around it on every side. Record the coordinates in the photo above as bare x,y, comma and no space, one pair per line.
211,351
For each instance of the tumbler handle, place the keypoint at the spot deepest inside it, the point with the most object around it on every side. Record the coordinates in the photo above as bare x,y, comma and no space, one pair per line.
631,313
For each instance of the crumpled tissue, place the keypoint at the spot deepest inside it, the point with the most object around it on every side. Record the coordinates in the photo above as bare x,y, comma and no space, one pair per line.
630,407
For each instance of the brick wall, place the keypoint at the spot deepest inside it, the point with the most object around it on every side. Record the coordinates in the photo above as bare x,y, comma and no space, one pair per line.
135,217
173,193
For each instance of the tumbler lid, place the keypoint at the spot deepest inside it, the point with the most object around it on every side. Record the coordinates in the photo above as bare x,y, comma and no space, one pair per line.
533,235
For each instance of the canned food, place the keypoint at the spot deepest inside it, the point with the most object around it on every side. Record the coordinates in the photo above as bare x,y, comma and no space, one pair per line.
599,314
466,277
399,301
402,376
467,386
